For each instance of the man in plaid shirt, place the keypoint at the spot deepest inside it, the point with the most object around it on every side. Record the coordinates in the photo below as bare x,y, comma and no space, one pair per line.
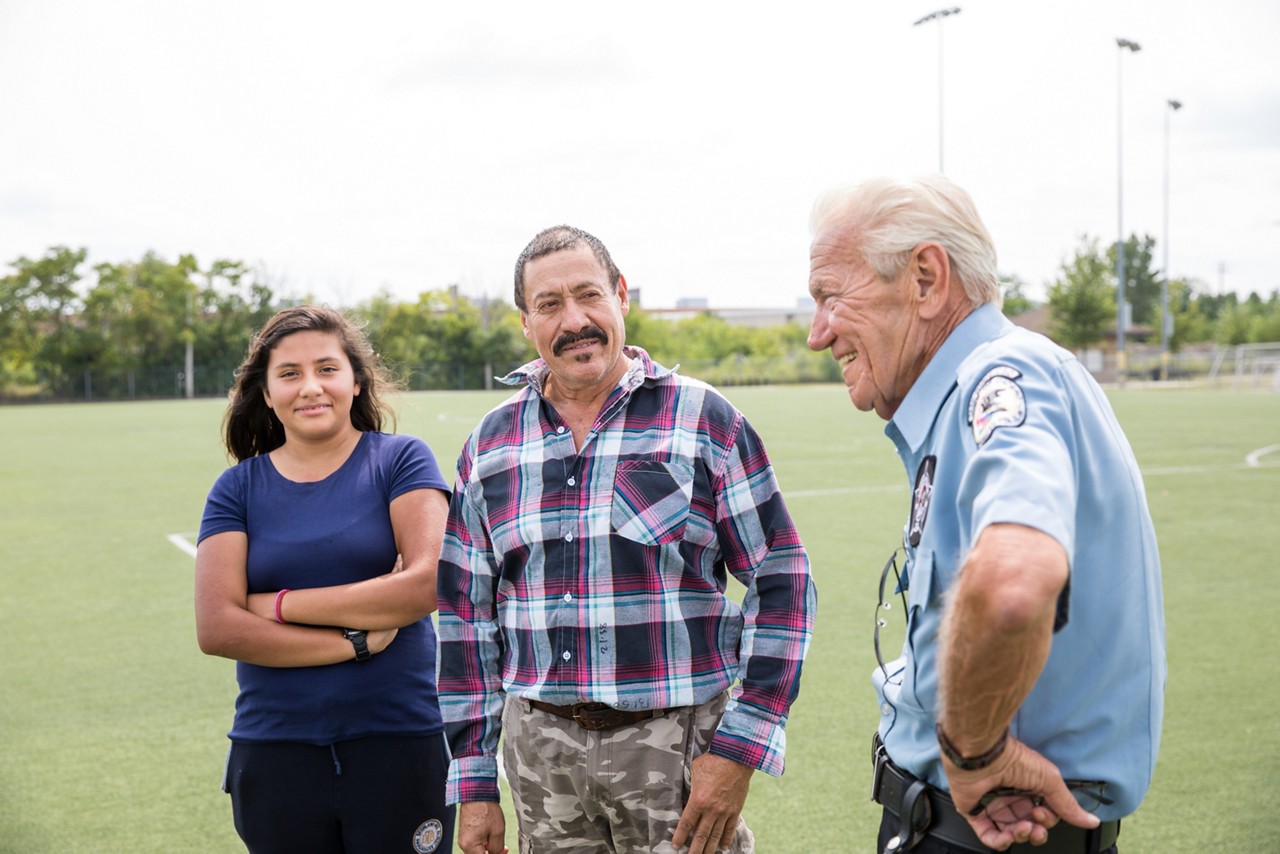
596,517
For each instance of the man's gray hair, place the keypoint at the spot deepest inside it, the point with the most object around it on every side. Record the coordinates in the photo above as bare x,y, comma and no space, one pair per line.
889,217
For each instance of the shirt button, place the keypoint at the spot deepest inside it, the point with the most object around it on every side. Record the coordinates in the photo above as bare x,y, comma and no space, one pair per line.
572,482
566,656
568,538
559,429
886,709
568,597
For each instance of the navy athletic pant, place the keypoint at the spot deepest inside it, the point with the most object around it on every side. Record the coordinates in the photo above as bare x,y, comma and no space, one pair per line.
374,795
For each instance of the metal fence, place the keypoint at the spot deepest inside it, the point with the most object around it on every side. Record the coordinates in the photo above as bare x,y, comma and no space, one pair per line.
97,384
1248,365
1245,366
88,383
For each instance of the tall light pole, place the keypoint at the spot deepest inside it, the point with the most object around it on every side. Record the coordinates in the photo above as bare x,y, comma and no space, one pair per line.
1121,315
1166,322
939,15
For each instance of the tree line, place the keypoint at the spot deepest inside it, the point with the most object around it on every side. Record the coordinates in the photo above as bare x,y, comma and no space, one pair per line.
159,328
1082,302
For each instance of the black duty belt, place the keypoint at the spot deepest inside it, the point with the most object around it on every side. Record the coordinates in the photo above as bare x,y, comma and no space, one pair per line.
931,813
597,716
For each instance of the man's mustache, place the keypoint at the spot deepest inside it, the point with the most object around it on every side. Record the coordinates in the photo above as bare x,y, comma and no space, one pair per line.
571,338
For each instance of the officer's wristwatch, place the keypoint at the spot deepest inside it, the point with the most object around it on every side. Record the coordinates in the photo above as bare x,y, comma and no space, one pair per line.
357,638
970,763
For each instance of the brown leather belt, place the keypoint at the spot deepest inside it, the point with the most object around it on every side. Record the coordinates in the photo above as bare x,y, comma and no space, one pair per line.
893,787
597,716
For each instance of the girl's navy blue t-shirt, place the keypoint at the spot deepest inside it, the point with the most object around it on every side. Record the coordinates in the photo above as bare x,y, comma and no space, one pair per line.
334,531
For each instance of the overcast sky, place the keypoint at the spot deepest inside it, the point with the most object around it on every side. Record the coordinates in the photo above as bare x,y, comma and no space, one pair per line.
349,147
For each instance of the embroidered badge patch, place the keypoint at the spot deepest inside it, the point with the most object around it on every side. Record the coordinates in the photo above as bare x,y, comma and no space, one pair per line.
920,497
427,837
996,402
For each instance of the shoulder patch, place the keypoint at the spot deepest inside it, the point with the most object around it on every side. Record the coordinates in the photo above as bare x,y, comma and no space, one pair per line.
996,402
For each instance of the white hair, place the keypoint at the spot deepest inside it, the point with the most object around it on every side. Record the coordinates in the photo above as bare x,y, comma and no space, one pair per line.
890,217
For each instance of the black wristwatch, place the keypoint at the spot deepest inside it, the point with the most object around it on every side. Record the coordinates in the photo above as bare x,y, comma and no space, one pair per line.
357,638
970,763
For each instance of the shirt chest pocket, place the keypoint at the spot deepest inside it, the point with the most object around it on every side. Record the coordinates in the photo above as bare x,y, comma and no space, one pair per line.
651,501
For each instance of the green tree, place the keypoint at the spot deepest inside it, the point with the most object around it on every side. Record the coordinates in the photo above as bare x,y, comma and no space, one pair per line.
131,334
504,343
445,340
1253,321
721,353
138,311
1213,306
38,302
231,305
405,335
1016,301
1265,328
655,335
136,318
1082,300
706,337
1189,322
1141,283
1232,326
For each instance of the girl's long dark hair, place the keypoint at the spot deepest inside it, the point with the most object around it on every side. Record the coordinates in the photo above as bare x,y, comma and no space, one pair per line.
250,427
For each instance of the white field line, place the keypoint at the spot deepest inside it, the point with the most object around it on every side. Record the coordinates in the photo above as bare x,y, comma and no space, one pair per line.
181,541
1252,460
1244,466
841,490
1196,469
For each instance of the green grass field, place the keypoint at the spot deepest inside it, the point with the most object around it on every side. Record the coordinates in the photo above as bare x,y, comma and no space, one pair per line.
112,727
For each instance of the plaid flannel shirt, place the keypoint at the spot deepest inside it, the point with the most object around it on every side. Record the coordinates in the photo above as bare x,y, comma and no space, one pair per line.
598,574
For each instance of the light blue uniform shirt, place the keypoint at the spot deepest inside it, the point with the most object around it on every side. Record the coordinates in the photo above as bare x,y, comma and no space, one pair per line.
1005,426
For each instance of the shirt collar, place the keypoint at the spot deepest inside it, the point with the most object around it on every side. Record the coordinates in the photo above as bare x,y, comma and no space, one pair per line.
916,414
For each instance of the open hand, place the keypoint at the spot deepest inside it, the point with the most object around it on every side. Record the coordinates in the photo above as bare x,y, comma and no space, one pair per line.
717,791
1018,798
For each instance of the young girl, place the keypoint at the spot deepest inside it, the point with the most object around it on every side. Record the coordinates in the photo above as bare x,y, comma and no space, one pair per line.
316,572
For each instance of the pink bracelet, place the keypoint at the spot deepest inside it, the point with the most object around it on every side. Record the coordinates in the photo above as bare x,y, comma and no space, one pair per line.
280,596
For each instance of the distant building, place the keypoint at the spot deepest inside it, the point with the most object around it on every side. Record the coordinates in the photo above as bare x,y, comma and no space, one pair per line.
1038,320
687,307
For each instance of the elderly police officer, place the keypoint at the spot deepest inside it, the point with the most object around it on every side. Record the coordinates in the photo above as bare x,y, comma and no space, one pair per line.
1031,684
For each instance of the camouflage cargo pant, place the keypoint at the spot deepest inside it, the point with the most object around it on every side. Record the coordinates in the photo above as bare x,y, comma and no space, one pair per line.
622,790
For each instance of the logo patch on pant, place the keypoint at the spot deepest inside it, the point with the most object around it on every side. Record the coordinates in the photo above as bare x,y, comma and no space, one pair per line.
427,837
996,402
